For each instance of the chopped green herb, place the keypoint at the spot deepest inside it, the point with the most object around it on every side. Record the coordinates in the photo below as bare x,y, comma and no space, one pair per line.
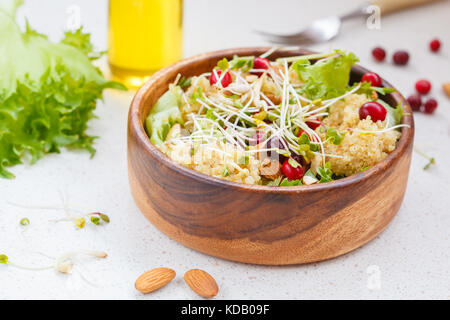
243,160
185,82
334,137
260,115
210,114
238,104
314,147
225,172
223,64
325,173
24,222
304,139
197,94
243,63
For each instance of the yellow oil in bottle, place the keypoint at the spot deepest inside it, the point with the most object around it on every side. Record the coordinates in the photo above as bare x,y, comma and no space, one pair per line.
143,36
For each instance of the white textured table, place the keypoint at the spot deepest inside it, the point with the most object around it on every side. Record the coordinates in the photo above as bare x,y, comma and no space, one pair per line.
411,258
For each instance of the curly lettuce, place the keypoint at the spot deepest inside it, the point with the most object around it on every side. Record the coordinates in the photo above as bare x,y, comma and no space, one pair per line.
48,92
327,78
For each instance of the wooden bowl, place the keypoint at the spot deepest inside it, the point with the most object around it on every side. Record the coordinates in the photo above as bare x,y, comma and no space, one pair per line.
260,224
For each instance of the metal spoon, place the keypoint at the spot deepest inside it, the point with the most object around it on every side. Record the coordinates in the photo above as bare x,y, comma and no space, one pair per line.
325,29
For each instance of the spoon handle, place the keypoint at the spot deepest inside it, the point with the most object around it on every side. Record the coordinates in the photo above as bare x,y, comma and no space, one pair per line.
390,6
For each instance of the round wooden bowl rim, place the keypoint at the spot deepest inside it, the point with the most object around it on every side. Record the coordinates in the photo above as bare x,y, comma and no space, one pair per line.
137,126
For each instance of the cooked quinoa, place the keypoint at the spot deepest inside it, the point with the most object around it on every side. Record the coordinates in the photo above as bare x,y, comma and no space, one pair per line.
219,160
358,150
279,123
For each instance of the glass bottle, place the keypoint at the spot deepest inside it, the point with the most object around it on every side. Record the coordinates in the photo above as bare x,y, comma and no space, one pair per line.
144,36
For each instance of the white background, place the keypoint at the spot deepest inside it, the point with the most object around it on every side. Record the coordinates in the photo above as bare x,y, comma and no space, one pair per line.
411,258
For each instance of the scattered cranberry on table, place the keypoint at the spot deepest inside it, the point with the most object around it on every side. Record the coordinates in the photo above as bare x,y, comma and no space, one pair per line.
379,54
373,78
423,86
226,80
435,44
430,106
373,109
290,172
415,101
401,57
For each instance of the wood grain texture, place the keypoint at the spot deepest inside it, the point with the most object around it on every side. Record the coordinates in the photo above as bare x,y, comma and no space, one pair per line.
260,224
390,6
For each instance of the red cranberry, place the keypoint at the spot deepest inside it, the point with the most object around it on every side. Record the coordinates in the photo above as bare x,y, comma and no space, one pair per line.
401,57
261,63
415,101
435,44
423,86
430,105
373,78
373,109
379,54
290,172
226,80
313,124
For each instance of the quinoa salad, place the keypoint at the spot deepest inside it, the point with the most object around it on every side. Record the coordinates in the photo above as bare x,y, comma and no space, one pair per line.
287,122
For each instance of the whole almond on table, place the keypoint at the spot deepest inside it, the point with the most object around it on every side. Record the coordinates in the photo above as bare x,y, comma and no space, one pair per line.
202,283
154,279
446,87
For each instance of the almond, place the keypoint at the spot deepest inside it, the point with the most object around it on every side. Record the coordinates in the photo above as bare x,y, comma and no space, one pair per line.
154,279
202,283
446,87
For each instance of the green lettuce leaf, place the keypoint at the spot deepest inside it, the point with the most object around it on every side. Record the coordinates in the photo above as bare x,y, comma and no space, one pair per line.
48,92
164,114
326,78
394,115
325,173
290,183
